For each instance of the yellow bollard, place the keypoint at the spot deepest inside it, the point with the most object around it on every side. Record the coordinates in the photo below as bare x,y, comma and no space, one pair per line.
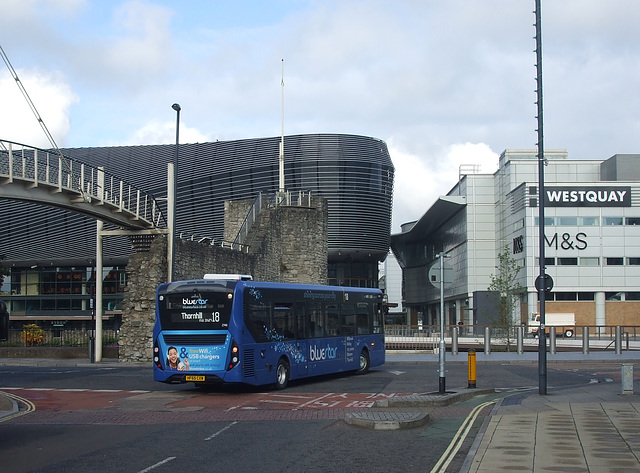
472,368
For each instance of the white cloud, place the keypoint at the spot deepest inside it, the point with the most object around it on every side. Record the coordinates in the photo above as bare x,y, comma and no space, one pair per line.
52,97
417,186
142,42
157,132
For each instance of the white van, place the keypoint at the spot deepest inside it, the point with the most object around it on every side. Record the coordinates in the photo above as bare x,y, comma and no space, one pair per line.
564,323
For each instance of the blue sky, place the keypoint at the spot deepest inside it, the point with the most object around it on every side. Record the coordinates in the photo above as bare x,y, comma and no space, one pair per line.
444,83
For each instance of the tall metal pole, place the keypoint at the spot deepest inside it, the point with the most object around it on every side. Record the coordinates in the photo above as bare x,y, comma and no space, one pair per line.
443,347
542,337
97,340
281,153
172,276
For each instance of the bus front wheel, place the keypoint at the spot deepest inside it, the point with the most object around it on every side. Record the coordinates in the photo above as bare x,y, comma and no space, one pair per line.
282,374
365,362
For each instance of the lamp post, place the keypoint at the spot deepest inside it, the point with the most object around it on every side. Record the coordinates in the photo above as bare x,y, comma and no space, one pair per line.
177,108
542,337
442,347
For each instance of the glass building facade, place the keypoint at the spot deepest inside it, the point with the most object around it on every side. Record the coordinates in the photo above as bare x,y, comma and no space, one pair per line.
50,253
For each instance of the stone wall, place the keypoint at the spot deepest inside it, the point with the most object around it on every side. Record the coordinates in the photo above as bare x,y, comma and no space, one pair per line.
292,247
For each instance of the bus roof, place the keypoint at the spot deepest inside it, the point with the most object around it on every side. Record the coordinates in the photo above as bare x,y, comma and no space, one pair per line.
229,277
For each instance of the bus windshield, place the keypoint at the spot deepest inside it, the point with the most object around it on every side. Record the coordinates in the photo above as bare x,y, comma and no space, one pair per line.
196,310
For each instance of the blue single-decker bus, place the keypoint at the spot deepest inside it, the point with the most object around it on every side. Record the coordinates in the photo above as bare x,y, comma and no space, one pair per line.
242,331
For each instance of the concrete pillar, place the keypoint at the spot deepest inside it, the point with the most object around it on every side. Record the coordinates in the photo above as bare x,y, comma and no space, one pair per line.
532,304
601,317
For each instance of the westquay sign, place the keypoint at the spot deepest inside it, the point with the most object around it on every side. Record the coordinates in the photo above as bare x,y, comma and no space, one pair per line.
587,196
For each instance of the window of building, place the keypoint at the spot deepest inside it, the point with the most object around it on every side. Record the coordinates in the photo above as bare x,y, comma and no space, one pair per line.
547,261
613,296
566,296
586,296
632,296
567,261
589,261
567,221
611,221
614,261
548,221
590,221
633,261
632,221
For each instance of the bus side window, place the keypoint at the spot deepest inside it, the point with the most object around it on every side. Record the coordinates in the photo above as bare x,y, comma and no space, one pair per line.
362,318
317,322
378,319
347,319
257,321
283,321
301,321
333,320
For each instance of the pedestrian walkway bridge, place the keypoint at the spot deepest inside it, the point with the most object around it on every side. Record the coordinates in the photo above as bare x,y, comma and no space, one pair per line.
48,177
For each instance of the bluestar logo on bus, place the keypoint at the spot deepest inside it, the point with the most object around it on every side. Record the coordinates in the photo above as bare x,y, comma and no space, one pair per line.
320,354
198,301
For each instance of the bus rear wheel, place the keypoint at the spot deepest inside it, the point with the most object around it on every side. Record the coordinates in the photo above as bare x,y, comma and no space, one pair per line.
282,374
365,362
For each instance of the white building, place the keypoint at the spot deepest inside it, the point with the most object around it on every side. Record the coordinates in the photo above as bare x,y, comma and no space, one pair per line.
592,240
391,284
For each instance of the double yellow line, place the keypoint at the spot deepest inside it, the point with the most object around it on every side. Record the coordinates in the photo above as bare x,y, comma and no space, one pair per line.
30,405
458,438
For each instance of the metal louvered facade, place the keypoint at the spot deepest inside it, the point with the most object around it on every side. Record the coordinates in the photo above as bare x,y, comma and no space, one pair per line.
353,173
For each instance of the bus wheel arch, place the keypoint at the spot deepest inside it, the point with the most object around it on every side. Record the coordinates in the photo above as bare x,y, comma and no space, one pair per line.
283,373
365,361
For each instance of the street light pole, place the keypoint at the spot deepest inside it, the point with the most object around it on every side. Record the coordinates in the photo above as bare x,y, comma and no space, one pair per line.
442,349
177,108
542,336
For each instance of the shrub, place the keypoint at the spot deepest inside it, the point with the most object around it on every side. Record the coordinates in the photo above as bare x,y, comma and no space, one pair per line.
32,335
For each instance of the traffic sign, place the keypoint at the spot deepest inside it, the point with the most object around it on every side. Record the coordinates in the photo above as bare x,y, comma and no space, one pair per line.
434,274
547,284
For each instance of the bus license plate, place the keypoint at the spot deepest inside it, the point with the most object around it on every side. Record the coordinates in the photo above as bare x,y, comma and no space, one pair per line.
193,378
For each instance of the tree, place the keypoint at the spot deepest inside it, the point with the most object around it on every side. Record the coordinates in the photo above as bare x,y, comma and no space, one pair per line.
3,271
508,290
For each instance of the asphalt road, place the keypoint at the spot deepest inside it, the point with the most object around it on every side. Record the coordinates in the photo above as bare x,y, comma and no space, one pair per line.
116,418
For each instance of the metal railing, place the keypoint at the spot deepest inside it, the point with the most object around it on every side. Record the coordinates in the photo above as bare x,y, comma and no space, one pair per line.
514,337
297,199
56,338
82,183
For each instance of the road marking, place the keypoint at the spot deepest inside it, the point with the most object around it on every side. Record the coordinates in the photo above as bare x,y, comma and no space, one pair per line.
397,373
166,460
79,390
222,430
315,400
289,395
278,402
30,406
458,438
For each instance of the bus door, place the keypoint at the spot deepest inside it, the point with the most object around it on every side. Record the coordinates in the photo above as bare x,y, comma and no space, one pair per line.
285,330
